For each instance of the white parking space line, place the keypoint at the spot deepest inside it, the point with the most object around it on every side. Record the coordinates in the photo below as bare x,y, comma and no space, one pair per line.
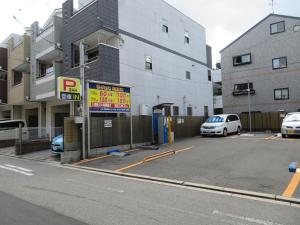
19,168
243,218
14,169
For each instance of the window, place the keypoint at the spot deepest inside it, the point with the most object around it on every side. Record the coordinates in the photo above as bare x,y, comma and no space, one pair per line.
188,75
189,111
186,37
279,63
165,27
167,110
276,28
281,94
17,77
242,59
243,87
75,55
92,55
209,75
148,63
45,69
175,111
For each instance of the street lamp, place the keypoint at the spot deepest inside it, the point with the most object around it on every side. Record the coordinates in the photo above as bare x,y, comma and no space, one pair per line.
249,106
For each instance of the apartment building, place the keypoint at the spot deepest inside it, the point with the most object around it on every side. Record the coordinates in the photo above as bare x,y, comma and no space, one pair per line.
267,58
19,105
3,76
146,44
46,66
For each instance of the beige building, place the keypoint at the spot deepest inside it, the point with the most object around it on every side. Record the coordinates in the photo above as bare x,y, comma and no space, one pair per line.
19,105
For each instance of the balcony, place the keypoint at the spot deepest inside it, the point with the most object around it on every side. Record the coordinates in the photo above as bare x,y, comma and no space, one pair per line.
243,92
47,43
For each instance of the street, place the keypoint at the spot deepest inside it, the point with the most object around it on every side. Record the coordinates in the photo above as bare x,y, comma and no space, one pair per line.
15,211
95,198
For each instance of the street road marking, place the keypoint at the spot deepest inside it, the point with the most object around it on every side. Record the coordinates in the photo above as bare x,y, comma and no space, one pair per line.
244,218
16,170
298,170
153,157
292,187
19,168
101,157
129,167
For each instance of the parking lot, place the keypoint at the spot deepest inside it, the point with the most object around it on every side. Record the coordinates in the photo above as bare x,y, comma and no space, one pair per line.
255,163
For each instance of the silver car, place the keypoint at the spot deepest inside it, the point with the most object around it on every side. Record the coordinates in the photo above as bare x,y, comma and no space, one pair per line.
291,125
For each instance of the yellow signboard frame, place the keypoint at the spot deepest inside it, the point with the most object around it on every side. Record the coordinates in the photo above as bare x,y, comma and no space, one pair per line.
68,89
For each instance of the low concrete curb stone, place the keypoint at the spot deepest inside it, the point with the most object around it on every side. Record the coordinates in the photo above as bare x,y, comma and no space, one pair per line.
292,201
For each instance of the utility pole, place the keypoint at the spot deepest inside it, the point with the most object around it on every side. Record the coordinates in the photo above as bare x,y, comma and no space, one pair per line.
82,102
249,108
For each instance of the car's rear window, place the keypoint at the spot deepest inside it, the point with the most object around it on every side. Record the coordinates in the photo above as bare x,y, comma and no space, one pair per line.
215,119
11,125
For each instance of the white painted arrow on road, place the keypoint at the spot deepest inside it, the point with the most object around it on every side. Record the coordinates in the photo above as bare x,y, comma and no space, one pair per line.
17,169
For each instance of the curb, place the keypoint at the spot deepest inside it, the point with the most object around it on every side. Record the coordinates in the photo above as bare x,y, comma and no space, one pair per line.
232,191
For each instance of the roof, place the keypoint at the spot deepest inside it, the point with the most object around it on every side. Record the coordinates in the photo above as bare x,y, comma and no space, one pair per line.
3,44
277,15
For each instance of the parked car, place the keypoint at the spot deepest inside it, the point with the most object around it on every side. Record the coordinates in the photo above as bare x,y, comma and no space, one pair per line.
9,130
221,125
291,125
57,145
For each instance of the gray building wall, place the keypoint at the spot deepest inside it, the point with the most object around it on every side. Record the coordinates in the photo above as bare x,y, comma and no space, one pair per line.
263,48
102,14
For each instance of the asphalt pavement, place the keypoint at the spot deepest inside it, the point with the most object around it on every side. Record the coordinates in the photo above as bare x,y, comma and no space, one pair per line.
258,163
95,198
15,211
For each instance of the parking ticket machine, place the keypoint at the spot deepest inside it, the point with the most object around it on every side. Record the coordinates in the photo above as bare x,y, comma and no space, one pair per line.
160,124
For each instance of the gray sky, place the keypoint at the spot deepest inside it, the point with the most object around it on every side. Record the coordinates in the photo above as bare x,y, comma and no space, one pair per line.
224,20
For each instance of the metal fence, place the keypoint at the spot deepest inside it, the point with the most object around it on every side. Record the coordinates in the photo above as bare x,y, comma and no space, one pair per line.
262,121
107,131
187,126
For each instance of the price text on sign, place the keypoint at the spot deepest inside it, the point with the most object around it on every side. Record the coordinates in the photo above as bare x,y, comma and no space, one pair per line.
109,98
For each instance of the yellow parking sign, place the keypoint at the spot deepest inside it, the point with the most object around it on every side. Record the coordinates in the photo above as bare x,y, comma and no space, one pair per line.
69,89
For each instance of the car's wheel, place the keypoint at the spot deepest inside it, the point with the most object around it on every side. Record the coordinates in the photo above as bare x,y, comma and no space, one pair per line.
238,130
225,133
204,135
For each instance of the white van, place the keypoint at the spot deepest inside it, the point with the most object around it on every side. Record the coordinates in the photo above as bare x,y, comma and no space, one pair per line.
221,125
9,130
